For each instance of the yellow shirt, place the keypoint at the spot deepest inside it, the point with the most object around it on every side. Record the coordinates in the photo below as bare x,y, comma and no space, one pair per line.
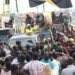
29,30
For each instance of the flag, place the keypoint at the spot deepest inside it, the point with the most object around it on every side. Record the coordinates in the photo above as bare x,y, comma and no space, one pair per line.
38,1
34,3
61,3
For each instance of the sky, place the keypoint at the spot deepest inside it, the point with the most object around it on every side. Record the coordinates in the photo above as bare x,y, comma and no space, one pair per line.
23,7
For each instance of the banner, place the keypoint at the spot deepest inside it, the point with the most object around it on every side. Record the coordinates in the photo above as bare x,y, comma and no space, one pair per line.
58,3
38,1
34,3
61,3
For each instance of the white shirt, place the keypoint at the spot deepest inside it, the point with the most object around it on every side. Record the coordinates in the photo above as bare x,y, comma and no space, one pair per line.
5,73
15,61
34,67
69,70
7,50
56,67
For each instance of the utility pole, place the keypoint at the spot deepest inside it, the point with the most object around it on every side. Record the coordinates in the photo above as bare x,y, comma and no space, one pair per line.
43,7
17,6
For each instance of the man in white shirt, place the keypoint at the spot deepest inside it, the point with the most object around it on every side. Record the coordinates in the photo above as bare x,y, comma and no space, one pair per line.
34,67
70,68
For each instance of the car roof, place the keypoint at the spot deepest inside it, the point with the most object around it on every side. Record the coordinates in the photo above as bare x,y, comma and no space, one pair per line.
22,36
6,28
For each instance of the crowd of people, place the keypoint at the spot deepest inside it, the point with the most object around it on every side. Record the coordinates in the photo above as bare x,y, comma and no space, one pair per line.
50,56
57,57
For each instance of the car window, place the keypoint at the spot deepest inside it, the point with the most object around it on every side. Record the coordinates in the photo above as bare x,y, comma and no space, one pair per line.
44,34
4,38
24,41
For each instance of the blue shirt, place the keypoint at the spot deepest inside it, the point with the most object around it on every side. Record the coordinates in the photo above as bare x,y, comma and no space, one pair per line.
48,62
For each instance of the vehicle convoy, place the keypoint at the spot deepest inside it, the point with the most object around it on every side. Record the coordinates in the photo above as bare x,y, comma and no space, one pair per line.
29,39
24,39
5,34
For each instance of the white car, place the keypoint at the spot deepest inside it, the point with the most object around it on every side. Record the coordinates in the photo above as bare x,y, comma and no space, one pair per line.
24,39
